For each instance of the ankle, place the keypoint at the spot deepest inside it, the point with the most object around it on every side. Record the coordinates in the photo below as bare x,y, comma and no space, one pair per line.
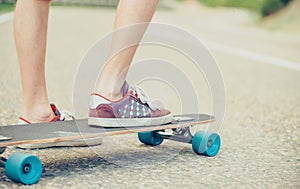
36,114
111,96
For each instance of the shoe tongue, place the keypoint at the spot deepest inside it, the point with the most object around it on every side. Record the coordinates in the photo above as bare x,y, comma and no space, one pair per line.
55,110
125,88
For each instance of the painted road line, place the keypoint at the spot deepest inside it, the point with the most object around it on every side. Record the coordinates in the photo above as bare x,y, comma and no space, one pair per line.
254,56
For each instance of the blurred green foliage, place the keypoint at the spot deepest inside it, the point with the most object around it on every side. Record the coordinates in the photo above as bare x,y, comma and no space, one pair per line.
264,7
251,4
271,6
6,5
7,2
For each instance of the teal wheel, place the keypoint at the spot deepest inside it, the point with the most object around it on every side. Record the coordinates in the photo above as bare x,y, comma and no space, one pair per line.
149,138
206,143
23,168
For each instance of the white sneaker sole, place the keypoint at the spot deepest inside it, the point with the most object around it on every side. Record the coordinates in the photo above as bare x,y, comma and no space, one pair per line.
129,122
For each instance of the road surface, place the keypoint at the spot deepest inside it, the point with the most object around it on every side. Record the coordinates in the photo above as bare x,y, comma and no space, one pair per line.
260,134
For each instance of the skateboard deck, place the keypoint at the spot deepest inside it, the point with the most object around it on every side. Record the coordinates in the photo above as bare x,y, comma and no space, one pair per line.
27,169
69,130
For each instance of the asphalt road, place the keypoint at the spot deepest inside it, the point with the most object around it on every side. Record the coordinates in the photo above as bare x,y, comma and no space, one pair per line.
260,133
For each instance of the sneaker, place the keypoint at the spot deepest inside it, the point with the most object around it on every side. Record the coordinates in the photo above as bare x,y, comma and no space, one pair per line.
60,116
133,109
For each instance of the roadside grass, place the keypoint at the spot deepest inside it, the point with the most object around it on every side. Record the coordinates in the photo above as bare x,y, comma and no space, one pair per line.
9,5
6,7
252,4
262,7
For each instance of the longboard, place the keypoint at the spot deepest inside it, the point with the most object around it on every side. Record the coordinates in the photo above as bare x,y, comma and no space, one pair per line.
69,130
203,142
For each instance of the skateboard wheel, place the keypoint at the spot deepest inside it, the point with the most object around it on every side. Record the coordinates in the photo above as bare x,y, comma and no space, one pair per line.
206,143
149,138
23,168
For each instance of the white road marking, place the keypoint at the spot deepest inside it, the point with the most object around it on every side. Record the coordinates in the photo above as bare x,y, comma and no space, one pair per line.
6,17
254,56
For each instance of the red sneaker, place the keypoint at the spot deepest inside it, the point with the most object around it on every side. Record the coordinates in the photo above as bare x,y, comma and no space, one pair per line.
133,109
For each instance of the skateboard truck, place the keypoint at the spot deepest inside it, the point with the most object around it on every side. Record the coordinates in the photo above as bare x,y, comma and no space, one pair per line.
179,134
2,150
203,142
2,161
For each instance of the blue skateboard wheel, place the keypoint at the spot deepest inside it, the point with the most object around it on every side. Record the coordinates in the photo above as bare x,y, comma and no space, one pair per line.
23,168
149,138
206,143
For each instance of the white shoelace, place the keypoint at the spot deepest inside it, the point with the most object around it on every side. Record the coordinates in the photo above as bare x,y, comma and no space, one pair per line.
144,97
65,115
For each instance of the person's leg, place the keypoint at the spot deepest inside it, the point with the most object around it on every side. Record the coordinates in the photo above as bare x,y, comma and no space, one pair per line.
116,105
30,31
129,12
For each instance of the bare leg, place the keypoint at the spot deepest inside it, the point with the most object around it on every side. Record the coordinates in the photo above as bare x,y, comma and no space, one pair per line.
30,31
129,12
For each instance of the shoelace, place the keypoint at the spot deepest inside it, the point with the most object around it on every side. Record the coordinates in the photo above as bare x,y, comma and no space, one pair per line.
140,93
65,115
